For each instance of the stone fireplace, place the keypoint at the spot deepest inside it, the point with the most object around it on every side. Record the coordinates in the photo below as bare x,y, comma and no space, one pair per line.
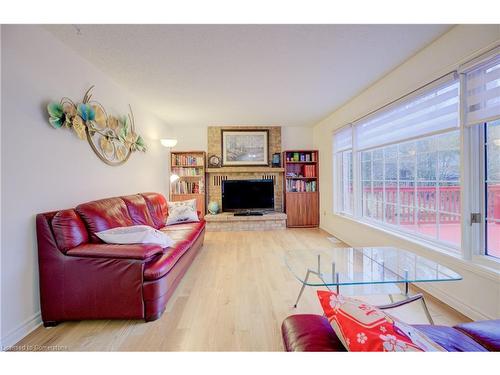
215,176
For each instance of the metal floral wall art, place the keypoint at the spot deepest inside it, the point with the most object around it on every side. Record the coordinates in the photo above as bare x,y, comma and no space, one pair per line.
112,138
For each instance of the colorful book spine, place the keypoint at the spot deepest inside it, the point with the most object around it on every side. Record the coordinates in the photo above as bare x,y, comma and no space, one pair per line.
309,171
301,157
186,160
185,187
300,186
187,171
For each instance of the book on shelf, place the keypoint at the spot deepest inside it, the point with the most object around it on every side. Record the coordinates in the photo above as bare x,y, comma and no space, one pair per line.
301,157
309,171
300,186
185,187
181,172
297,170
187,160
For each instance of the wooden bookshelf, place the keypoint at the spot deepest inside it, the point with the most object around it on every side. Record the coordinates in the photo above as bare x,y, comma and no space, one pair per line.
190,166
301,186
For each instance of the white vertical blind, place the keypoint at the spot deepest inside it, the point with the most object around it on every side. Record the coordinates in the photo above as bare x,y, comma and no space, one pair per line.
482,92
342,139
429,110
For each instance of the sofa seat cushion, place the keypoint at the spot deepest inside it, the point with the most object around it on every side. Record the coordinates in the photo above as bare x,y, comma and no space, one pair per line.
450,338
309,333
112,251
183,235
485,332
160,265
187,231
104,214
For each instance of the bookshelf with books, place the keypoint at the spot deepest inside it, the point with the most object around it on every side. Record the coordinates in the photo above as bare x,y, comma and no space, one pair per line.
301,187
190,168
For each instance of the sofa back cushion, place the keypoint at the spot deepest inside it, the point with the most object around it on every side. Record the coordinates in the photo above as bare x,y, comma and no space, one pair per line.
157,205
138,210
104,214
69,230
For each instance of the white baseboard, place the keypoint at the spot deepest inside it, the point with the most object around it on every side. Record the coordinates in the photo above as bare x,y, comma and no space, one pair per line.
15,335
456,304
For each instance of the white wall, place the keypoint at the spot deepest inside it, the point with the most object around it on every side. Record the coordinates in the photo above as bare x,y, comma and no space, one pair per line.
296,138
47,169
1,325
478,295
195,137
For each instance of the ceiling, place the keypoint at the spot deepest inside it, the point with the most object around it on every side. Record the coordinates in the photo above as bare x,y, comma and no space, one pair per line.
289,75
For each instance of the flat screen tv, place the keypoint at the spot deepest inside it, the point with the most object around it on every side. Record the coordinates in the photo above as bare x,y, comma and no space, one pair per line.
239,195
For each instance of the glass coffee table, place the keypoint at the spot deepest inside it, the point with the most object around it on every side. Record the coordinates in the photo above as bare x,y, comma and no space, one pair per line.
378,270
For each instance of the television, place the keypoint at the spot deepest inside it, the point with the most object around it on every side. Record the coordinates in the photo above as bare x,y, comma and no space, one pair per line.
240,195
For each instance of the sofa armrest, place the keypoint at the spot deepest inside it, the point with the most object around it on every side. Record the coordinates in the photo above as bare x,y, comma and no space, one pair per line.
133,251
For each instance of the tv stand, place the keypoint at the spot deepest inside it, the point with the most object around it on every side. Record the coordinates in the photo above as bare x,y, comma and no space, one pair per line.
248,213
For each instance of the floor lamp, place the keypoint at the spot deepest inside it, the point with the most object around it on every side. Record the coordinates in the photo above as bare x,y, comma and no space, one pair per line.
169,143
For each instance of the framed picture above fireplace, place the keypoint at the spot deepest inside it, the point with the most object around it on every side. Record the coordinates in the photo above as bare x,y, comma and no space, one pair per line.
245,147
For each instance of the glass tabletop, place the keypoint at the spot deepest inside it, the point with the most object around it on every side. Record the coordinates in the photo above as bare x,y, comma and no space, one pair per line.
367,265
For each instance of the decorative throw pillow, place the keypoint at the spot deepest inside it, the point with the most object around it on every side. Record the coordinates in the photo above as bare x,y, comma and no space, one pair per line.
135,234
365,328
182,212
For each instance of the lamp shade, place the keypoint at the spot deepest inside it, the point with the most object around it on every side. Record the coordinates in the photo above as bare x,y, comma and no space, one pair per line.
173,178
168,142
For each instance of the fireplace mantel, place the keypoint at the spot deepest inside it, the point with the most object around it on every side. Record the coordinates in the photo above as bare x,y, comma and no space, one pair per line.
256,169
217,175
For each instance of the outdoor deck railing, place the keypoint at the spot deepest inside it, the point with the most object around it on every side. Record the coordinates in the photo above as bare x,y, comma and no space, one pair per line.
428,200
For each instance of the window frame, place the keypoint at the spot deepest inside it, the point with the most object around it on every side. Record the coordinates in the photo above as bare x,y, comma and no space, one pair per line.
446,245
476,243
338,169
339,207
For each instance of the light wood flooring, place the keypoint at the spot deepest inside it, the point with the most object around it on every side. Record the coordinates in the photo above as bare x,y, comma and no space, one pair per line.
233,298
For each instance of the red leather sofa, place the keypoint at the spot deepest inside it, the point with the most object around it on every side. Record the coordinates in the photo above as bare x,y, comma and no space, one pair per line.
83,278
313,333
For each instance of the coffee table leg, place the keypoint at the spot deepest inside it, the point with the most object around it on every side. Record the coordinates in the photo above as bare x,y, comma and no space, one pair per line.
426,310
407,284
424,304
302,288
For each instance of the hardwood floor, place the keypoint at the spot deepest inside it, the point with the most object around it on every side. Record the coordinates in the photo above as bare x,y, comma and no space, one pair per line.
234,297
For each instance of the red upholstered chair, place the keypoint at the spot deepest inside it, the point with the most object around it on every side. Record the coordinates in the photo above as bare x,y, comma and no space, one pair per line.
83,278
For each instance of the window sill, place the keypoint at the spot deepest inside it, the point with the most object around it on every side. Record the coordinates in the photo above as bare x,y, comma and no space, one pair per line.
482,265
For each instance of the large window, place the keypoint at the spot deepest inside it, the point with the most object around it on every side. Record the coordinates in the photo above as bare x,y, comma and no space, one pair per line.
415,186
429,163
492,188
409,162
